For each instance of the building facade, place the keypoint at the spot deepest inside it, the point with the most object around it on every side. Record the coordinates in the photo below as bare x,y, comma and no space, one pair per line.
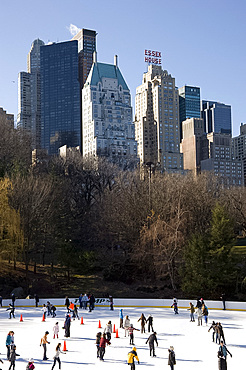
60,96
29,96
157,120
194,144
107,115
189,104
239,148
221,162
86,48
216,116
7,117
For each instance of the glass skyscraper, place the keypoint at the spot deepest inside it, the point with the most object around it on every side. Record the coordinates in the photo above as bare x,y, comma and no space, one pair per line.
216,116
189,104
60,96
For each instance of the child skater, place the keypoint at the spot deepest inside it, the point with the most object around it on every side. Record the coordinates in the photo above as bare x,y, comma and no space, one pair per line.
56,330
30,365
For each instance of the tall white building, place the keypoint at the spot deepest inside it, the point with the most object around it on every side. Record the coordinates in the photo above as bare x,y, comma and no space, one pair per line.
157,120
107,115
29,95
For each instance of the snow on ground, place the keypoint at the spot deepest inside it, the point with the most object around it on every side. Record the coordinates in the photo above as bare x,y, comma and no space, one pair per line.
192,344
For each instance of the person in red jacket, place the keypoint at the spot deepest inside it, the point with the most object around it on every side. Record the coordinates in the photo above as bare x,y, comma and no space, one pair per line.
103,342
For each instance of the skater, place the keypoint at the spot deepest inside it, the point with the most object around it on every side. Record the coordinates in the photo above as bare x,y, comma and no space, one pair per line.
84,301
44,309
9,342
75,312
12,357
222,356
48,305
175,306
213,326
98,338
80,300
13,299
223,298
53,310
56,330
152,339
198,303
91,303
67,325
67,303
108,330
57,356
221,332
199,316
131,330
127,325
11,310
205,313
44,342
150,323
1,301
102,345
192,311
36,300
171,357
142,320
121,318
111,303
131,355
30,365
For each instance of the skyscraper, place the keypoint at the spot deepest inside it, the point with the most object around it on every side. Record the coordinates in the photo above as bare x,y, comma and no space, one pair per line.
216,116
107,115
86,47
189,104
239,147
29,99
157,120
60,96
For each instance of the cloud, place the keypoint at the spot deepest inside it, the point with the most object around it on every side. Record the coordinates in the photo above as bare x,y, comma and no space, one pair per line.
73,29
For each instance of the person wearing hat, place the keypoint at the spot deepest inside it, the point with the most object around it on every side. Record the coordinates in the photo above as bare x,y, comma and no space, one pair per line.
30,365
131,355
152,339
44,342
171,357
12,356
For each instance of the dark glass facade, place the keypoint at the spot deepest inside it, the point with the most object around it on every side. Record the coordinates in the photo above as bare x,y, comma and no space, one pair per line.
60,96
216,116
189,104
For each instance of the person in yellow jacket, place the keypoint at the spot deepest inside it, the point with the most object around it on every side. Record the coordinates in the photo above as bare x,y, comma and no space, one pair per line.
131,356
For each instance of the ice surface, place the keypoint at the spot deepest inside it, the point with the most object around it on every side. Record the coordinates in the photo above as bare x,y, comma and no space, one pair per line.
192,344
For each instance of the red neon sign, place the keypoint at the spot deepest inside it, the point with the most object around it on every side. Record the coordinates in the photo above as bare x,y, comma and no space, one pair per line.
152,57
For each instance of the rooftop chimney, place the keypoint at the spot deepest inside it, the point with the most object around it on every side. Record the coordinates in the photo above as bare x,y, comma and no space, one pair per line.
116,60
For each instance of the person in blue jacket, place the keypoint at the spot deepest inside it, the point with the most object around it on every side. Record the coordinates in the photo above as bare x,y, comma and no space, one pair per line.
121,318
9,342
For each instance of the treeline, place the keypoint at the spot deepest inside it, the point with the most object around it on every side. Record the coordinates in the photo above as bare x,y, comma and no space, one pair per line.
174,231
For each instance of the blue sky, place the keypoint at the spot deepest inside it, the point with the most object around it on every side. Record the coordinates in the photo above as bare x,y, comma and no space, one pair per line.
202,42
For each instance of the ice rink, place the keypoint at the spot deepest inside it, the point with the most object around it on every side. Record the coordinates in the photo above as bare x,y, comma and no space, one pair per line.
193,344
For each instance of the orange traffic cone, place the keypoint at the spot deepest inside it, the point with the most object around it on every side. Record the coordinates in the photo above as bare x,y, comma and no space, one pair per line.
64,346
99,325
114,329
21,318
117,334
43,319
82,321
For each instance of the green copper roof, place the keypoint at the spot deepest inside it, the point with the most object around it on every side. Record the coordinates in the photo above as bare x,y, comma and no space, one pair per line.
100,70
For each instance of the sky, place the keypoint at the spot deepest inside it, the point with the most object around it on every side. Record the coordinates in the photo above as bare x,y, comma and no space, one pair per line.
202,42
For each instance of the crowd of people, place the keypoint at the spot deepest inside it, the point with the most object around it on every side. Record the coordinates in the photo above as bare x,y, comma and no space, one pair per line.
104,337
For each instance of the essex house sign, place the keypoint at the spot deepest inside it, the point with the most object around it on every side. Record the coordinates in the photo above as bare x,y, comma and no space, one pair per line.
152,57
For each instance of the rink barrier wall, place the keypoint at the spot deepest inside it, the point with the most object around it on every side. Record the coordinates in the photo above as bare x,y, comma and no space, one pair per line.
128,302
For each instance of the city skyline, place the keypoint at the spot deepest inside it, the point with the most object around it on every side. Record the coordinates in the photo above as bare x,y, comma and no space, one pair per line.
196,52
